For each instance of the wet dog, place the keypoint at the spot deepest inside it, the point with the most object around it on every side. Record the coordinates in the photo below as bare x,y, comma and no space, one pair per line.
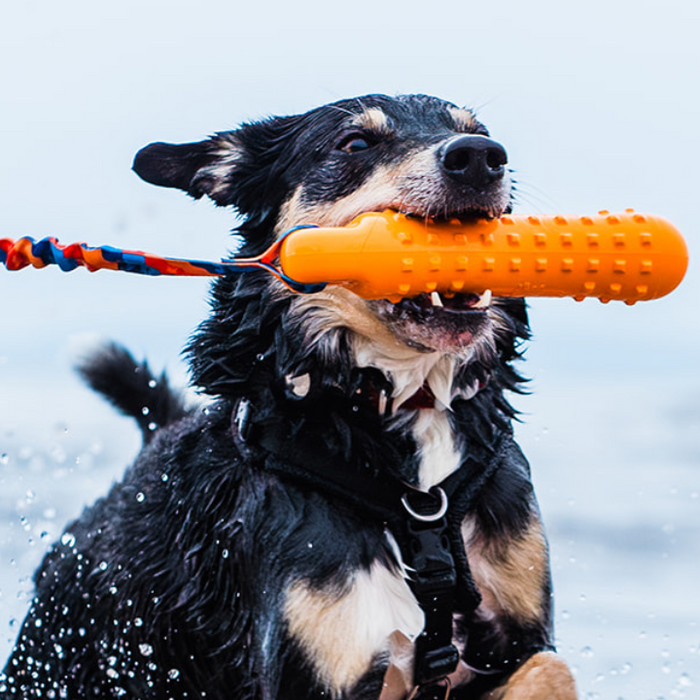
349,517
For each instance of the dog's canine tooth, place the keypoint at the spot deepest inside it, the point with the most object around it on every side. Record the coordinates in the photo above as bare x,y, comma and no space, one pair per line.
485,300
436,299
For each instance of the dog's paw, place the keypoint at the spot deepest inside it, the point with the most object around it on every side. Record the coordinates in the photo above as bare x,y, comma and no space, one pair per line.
545,676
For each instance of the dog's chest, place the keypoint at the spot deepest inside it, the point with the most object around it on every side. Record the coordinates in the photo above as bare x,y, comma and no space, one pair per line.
376,613
438,456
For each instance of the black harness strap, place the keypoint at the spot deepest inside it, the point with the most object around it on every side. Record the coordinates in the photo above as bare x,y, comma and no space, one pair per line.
426,526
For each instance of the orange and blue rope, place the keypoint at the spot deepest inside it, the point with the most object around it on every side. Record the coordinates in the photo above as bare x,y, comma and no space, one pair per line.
26,251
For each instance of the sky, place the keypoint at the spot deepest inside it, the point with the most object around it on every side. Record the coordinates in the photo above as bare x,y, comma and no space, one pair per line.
597,104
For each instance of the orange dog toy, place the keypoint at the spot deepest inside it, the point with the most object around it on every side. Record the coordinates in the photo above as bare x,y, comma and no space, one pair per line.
626,256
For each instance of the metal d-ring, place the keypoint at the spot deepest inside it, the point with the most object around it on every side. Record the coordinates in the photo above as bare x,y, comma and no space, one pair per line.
433,516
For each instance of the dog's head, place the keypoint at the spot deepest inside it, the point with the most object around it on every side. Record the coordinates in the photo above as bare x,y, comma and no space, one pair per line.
415,154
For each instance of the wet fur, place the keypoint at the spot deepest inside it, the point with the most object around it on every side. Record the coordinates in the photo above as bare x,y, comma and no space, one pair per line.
202,573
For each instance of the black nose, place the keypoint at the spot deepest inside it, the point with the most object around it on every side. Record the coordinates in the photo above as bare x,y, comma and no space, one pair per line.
474,160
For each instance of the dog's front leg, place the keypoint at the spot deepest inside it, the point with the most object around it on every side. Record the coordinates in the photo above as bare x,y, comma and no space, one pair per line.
545,675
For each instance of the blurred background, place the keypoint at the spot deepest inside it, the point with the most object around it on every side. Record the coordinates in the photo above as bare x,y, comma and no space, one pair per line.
598,106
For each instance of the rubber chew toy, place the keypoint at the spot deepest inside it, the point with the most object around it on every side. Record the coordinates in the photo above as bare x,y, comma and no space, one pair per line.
625,256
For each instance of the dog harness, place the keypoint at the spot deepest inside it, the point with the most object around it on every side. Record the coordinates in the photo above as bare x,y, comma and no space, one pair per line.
426,525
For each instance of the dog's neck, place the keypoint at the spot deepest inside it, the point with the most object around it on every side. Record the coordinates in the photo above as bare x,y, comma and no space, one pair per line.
409,370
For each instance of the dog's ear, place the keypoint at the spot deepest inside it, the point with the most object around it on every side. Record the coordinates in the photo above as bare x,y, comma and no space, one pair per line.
202,168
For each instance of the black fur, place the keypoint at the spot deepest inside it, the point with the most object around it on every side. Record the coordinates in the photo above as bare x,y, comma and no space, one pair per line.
173,585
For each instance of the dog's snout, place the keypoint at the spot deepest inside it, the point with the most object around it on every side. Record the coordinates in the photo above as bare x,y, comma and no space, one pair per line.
474,160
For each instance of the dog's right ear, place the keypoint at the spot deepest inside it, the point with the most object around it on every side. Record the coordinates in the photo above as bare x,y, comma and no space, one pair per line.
202,168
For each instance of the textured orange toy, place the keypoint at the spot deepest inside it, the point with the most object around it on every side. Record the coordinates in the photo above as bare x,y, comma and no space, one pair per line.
625,256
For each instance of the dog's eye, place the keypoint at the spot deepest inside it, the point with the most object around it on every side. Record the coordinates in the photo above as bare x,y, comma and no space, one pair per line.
354,143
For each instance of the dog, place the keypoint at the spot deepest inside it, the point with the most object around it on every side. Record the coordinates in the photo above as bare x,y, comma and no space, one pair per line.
349,517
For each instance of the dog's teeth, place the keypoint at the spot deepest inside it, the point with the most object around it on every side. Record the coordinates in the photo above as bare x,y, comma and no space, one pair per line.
485,300
435,298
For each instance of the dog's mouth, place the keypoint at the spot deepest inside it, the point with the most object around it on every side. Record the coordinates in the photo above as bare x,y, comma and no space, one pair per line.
436,304
467,215
434,320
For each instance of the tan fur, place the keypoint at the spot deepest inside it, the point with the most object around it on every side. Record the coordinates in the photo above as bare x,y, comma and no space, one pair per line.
510,575
337,307
387,188
373,119
343,631
545,676
464,119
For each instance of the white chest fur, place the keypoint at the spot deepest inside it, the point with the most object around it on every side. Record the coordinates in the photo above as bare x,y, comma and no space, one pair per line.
436,447
342,632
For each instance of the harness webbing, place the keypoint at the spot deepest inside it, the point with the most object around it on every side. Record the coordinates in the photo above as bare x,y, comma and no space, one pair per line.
426,526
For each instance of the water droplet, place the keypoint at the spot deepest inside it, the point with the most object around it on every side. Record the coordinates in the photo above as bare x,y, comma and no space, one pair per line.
4,458
145,410
225,553
173,673
684,681
30,496
565,614
140,497
587,652
138,622
112,673
68,539
164,477
152,426
310,545
153,384
103,566
145,649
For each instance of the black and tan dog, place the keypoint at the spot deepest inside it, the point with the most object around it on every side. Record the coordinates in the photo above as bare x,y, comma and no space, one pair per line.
349,517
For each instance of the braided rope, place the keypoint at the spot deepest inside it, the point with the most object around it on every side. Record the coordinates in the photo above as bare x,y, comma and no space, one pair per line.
26,251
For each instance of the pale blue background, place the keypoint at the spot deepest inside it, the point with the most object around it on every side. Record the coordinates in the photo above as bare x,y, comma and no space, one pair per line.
598,106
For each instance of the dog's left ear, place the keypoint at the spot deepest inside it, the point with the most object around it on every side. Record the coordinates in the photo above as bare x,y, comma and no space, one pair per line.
202,168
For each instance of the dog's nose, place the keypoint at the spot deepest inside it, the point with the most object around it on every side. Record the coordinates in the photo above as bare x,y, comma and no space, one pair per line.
474,160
